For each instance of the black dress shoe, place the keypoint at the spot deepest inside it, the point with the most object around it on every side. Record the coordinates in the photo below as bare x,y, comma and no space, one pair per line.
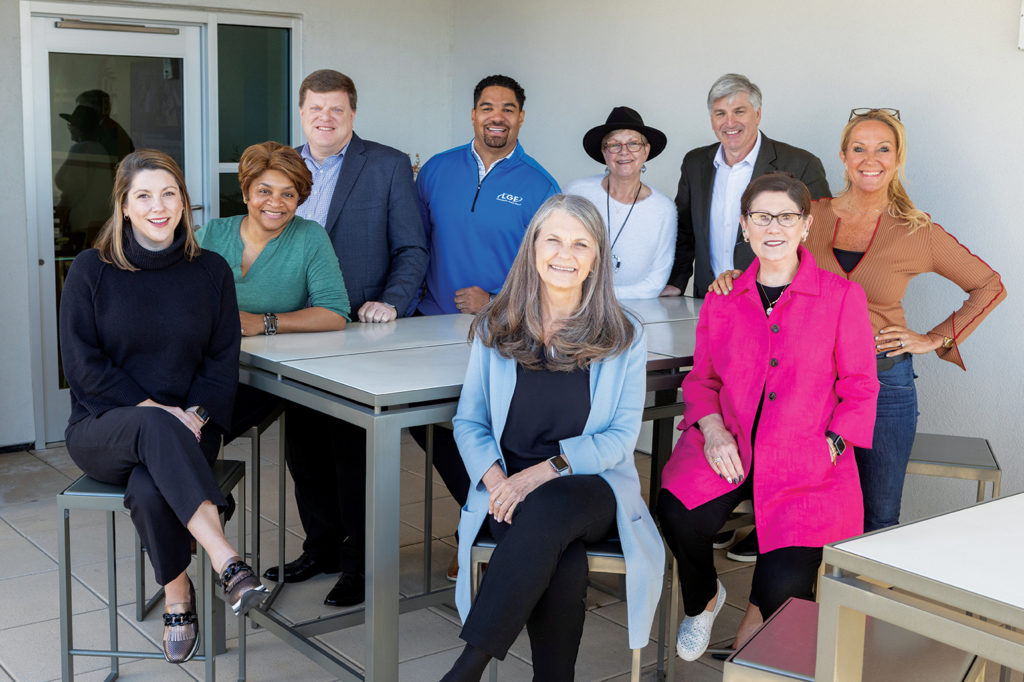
348,591
745,550
303,568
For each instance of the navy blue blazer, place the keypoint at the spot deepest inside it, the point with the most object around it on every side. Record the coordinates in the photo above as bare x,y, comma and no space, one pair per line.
693,201
374,223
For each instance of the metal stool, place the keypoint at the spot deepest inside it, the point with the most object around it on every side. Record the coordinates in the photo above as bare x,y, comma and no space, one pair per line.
956,457
602,557
88,493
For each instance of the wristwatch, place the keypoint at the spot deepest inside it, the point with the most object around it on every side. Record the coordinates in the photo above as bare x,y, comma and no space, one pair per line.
836,445
560,465
269,324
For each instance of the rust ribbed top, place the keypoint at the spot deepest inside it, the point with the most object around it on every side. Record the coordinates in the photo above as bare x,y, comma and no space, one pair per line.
895,256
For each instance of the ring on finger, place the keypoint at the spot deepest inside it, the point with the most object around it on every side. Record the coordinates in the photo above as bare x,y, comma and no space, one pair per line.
717,460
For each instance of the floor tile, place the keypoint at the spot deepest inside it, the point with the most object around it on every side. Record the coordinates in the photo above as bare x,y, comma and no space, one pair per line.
31,652
445,516
420,633
34,598
40,523
28,479
20,556
434,666
57,457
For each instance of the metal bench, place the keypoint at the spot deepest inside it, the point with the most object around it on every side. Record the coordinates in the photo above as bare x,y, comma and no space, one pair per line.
785,648
956,457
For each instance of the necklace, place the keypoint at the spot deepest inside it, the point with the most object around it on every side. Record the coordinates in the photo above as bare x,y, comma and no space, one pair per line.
768,303
608,212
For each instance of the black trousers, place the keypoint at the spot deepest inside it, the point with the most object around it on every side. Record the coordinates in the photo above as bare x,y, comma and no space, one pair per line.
327,461
779,574
537,575
447,460
166,472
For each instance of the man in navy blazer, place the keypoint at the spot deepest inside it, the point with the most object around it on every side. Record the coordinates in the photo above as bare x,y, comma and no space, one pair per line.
713,179
364,196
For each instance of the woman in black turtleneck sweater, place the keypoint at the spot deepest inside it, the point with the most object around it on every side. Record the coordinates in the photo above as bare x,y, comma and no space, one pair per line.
149,339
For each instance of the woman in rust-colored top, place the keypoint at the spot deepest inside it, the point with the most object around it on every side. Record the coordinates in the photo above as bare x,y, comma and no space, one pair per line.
874,235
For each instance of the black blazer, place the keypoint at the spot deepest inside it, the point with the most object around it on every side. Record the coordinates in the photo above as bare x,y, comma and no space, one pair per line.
374,223
693,201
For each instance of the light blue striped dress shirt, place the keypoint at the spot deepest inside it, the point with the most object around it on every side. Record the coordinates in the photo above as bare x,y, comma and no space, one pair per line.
325,178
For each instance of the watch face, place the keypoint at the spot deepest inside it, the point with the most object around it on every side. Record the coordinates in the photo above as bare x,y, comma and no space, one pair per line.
559,463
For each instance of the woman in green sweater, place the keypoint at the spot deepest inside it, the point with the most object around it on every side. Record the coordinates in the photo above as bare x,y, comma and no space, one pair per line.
279,261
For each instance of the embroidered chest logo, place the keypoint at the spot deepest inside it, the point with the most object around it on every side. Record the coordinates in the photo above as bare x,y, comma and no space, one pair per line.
510,199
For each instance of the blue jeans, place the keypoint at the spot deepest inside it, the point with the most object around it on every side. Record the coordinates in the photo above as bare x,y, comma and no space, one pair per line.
883,467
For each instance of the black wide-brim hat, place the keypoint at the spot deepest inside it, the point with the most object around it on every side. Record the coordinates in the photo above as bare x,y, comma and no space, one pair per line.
623,118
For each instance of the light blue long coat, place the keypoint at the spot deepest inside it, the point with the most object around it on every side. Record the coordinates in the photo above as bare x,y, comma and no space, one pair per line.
617,391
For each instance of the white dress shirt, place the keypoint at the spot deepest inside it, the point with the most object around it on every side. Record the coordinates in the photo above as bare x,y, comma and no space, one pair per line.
730,181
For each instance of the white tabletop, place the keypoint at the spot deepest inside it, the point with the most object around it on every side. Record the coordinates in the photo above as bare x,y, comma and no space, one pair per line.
676,339
977,549
358,337
664,309
387,377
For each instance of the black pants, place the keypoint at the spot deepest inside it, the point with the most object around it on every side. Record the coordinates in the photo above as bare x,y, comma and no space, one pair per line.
779,574
447,460
327,461
537,576
166,472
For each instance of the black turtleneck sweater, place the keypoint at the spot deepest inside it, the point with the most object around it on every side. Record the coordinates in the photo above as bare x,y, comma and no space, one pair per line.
167,331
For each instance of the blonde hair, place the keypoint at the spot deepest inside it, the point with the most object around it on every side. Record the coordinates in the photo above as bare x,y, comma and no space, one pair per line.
110,241
512,324
900,205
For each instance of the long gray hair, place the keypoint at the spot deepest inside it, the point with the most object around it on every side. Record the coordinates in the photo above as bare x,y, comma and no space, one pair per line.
512,323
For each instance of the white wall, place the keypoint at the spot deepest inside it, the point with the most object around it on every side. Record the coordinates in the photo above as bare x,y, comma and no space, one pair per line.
953,69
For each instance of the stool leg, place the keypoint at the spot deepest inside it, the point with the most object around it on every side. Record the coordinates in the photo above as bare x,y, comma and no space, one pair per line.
428,507
494,670
255,554
634,673
67,668
140,580
673,618
112,591
205,577
254,472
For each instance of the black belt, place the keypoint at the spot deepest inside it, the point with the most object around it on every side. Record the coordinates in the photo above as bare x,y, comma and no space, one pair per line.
885,363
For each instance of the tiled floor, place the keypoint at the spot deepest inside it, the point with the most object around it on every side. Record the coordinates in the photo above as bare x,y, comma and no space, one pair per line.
428,639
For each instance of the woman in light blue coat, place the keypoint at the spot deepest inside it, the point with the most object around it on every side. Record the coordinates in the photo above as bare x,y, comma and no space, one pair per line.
547,424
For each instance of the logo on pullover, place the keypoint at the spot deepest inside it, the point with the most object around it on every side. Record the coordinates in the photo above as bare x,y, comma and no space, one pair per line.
510,199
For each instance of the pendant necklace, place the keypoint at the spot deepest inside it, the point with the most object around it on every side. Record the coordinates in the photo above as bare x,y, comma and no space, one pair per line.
768,303
608,212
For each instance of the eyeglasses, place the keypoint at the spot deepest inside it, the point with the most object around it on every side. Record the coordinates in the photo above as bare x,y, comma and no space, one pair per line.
764,219
631,146
864,111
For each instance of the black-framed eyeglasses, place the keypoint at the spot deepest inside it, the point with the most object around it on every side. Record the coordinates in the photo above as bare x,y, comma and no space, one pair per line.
764,219
864,111
616,147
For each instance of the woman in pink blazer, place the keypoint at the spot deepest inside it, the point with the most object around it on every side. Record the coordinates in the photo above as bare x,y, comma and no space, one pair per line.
783,381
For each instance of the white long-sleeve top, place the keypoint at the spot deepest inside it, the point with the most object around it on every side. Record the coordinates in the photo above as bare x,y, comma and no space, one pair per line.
646,244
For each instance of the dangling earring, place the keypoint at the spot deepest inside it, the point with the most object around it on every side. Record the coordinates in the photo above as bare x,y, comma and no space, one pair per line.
746,237
806,233
643,168
607,170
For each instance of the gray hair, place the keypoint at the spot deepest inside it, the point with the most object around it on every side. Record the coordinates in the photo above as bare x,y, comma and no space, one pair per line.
730,84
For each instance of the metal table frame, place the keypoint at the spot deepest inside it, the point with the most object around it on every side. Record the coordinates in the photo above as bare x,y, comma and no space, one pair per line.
383,418
948,613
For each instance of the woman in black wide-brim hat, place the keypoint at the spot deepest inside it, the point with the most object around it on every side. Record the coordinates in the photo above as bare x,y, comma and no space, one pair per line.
641,221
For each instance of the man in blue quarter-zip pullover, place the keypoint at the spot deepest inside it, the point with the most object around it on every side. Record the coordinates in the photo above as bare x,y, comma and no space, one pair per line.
477,200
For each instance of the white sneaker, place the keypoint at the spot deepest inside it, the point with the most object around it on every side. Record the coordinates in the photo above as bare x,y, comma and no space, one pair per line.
695,632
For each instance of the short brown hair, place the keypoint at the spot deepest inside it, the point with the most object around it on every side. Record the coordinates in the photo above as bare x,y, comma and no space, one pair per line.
110,241
328,80
777,181
259,158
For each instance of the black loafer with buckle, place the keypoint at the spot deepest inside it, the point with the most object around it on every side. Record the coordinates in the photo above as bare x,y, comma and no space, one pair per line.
181,632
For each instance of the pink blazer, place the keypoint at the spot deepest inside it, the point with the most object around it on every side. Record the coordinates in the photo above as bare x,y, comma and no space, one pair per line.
815,359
